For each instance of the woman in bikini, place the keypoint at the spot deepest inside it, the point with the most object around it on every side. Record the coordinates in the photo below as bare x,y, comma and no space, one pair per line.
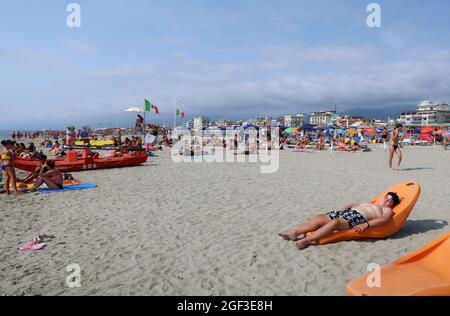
7,167
395,146
53,178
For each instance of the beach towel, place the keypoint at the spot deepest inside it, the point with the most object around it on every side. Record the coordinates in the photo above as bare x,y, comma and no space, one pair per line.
78,187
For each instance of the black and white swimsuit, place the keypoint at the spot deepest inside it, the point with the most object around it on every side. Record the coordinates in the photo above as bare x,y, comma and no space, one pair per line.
352,217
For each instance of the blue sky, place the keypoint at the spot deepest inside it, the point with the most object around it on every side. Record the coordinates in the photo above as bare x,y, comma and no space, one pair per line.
225,59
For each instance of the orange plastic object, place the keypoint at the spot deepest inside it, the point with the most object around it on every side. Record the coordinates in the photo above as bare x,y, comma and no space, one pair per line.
30,185
408,193
425,272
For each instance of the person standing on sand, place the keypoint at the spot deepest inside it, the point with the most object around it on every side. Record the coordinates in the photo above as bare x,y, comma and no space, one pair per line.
7,166
384,138
395,146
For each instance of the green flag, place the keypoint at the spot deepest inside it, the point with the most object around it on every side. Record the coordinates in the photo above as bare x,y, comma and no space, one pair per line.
147,106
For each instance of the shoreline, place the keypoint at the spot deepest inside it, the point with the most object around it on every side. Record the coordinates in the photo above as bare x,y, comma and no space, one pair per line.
212,229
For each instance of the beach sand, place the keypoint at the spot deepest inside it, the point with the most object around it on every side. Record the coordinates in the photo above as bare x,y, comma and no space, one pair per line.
211,229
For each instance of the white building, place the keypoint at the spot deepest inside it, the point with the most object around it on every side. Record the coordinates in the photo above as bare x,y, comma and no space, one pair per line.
190,124
323,118
427,113
294,121
261,121
200,122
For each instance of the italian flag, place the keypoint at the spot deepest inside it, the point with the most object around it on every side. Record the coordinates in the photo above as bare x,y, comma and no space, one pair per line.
149,107
180,114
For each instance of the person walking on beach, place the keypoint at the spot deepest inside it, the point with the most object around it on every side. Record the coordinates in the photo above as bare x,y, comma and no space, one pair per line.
394,148
358,217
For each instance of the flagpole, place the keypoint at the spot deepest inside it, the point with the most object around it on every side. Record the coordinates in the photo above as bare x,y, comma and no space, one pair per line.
175,115
143,127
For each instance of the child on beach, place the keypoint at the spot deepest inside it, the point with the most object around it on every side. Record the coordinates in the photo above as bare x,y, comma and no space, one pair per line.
7,166
358,217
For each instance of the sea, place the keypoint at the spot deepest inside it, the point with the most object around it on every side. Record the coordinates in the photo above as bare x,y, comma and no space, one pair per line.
4,135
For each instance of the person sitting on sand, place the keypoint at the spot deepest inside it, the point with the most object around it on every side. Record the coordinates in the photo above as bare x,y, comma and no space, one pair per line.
55,148
302,143
39,169
358,217
53,178
320,145
21,151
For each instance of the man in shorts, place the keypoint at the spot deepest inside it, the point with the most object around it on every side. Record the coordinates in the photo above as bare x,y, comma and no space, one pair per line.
358,217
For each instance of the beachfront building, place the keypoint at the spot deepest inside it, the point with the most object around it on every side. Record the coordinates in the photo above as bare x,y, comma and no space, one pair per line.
190,124
428,113
323,118
200,122
278,121
351,120
261,121
294,121
223,123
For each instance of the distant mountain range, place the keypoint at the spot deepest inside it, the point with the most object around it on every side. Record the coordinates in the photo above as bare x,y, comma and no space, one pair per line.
380,113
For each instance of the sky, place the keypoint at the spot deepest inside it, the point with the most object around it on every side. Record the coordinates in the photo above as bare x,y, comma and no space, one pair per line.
233,59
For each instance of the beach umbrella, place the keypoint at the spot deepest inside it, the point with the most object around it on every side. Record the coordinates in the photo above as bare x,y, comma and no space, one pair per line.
296,131
427,130
442,132
370,131
251,126
289,130
135,110
308,127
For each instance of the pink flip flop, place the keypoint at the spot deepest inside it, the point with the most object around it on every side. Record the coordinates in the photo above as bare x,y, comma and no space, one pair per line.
31,245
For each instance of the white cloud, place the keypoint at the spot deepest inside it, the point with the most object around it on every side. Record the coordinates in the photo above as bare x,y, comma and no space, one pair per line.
363,78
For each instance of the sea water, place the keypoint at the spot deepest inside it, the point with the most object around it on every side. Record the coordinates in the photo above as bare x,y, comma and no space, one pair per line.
4,135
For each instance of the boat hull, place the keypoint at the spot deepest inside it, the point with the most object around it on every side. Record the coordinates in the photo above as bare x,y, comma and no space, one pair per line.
85,164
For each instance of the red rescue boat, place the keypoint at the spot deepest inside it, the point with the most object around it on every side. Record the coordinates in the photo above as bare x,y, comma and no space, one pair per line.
73,163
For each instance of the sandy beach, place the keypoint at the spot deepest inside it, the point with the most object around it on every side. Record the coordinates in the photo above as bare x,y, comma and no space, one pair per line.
168,228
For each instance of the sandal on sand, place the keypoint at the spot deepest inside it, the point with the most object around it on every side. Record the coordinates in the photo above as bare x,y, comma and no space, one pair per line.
32,245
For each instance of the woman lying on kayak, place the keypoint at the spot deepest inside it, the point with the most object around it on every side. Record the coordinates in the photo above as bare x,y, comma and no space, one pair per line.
53,178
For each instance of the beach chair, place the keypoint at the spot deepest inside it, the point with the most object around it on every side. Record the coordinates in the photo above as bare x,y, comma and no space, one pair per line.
408,193
424,272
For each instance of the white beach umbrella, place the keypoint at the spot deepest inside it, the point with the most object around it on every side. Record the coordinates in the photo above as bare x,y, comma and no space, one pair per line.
135,110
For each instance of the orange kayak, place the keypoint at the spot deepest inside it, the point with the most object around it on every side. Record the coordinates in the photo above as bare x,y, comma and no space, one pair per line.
72,163
408,193
425,272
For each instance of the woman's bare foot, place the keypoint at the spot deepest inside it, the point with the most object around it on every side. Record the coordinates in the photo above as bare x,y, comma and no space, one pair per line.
289,235
303,244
